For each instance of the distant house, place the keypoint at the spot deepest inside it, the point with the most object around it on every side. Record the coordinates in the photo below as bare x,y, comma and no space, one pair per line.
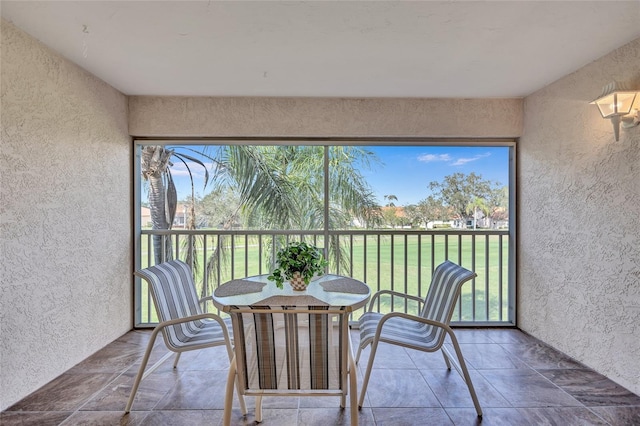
179,220
145,217
434,224
500,219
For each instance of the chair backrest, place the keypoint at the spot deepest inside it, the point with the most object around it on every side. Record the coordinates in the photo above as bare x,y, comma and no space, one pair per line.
174,296
291,350
443,294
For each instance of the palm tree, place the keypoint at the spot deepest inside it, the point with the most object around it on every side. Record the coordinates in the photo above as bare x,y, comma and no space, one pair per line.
390,200
282,187
277,187
155,166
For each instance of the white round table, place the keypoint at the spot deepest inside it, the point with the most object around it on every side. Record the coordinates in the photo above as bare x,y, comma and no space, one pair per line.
327,290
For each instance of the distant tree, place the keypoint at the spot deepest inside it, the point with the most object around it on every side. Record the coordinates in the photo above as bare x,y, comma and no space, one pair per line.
499,204
427,210
219,209
389,216
460,191
412,215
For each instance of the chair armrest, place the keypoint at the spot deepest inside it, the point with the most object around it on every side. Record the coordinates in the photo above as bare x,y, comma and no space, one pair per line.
394,293
206,298
448,330
416,318
203,302
215,317
191,318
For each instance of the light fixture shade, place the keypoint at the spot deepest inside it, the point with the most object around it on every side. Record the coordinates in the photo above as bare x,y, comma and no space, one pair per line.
615,100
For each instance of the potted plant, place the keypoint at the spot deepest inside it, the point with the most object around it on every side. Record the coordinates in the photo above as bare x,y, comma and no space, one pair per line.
298,263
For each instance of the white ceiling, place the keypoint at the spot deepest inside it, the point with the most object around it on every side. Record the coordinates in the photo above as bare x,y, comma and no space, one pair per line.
453,49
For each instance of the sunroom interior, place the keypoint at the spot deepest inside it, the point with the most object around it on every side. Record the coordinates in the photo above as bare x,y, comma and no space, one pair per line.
68,210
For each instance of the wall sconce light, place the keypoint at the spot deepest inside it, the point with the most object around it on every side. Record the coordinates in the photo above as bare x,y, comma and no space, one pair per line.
616,103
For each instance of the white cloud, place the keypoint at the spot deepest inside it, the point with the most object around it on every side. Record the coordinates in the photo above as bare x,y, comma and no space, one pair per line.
447,158
429,158
180,169
463,161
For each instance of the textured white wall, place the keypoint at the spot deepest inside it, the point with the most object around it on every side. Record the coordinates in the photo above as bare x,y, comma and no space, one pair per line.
579,211
189,116
65,228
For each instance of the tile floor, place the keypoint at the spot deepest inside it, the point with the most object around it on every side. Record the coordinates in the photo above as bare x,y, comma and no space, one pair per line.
519,381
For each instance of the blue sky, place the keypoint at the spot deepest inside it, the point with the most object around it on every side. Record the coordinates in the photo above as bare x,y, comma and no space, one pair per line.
408,170
404,171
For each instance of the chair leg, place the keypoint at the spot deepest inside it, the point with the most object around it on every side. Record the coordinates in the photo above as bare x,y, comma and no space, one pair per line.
143,365
358,354
228,396
175,362
365,383
446,359
259,409
243,405
353,389
462,369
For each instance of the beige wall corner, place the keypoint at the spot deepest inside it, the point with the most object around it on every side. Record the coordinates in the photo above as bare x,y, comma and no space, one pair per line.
579,204
65,228
324,117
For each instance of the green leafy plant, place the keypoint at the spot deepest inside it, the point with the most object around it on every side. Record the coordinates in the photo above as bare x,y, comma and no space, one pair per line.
299,257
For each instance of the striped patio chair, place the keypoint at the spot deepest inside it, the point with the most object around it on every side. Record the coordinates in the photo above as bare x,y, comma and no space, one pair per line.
424,332
291,351
183,324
